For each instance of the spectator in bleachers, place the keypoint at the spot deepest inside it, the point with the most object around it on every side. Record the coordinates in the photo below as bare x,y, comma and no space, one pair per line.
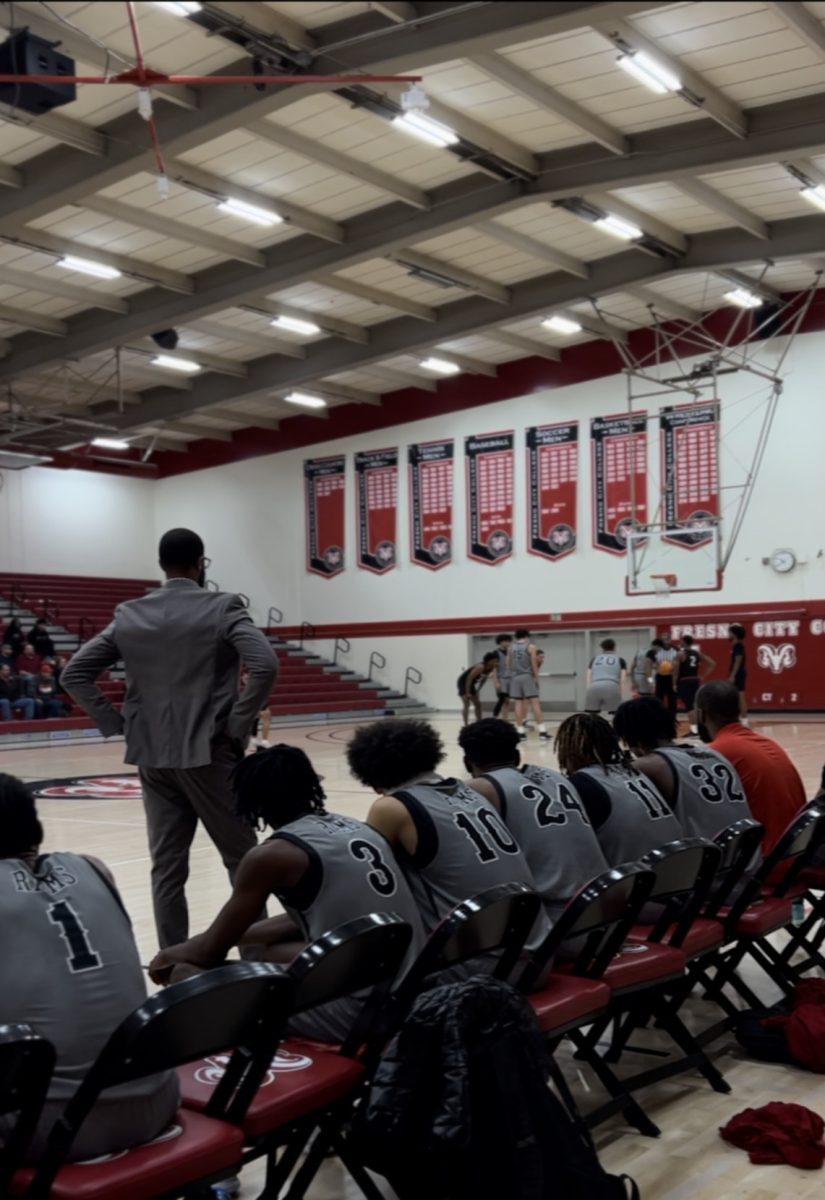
28,666
11,699
59,663
46,698
39,638
14,636
7,656
71,971
772,784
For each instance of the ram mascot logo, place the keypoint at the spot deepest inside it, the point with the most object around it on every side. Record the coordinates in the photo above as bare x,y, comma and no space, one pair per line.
776,659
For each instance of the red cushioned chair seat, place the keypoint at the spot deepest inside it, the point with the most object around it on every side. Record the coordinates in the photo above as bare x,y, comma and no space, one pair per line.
305,1076
703,935
638,965
763,916
568,999
193,1148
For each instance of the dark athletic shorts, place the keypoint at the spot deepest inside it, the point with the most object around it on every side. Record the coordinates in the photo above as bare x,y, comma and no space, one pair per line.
686,690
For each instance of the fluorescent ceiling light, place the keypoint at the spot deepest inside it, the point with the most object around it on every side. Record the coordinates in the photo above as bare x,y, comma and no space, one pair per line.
305,400
814,194
562,325
295,325
618,227
424,127
175,364
440,365
181,8
742,298
72,263
249,212
110,443
649,72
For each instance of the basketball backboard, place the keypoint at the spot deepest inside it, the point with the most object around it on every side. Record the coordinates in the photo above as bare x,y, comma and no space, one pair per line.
662,560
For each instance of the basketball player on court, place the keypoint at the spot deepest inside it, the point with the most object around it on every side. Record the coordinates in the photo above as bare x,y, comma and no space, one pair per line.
470,683
641,672
738,670
690,662
664,657
450,841
184,722
627,811
71,971
325,869
523,665
605,679
541,809
502,708
702,788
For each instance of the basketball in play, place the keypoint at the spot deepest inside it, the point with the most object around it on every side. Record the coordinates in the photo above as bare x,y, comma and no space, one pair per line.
412,600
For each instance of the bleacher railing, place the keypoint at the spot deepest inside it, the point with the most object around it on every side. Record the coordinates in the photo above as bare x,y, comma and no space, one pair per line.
342,644
376,660
274,616
413,675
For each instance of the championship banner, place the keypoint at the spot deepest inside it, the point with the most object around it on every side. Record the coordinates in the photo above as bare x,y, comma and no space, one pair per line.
552,484
324,482
489,474
376,474
690,472
619,463
431,503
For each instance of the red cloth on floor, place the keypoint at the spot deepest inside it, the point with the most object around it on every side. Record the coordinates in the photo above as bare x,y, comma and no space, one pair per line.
778,1133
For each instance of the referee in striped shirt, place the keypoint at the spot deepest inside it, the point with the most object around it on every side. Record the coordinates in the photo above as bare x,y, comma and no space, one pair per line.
663,656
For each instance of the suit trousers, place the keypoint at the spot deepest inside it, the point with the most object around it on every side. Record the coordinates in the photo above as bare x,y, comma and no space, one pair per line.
175,799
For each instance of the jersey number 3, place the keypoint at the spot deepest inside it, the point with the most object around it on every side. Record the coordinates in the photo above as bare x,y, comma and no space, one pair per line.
81,956
380,878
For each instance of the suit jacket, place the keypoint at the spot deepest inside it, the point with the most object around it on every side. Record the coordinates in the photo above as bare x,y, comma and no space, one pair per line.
182,647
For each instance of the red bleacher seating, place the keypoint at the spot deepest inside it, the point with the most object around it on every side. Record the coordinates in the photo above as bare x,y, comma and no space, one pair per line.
303,688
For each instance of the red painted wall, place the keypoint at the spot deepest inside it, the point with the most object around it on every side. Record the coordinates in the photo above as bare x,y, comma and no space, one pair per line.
785,642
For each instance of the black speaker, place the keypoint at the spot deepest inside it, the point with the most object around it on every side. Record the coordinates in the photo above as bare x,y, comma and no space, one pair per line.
25,54
166,339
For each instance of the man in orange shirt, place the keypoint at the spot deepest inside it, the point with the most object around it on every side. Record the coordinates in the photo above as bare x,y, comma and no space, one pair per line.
772,784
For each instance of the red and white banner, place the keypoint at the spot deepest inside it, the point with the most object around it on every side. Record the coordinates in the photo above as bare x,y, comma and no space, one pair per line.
431,503
689,437
489,473
552,484
376,475
619,465
324,483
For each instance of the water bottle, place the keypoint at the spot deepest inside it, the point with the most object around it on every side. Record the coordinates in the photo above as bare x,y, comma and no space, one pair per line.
798,911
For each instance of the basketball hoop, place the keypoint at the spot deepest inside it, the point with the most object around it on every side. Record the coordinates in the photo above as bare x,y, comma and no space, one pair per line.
663,584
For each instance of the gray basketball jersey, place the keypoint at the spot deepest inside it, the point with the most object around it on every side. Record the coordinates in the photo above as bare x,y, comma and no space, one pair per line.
520,663
503,673
606,668
708,795
70,965
544,812
353,872
628,812
464,848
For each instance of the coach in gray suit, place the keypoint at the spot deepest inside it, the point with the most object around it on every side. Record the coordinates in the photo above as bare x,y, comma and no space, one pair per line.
185,724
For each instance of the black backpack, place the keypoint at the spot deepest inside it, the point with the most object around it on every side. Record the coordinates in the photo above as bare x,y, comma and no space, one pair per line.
459,1108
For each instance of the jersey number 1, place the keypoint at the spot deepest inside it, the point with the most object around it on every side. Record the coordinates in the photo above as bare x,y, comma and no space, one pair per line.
81,955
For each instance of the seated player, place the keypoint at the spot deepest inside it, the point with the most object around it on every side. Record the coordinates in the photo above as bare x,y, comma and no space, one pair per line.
540,808
701,787
772,785
470,683
450,840
690,662
71,971
605,679
627,811
325,869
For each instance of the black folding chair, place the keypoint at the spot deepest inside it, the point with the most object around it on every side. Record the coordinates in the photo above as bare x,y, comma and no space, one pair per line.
763,907
590,932
26,1065
289,1091
202,1016
809,934
739,845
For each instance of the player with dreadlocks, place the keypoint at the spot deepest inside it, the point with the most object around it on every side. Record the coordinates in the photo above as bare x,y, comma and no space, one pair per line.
627,811
326,869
